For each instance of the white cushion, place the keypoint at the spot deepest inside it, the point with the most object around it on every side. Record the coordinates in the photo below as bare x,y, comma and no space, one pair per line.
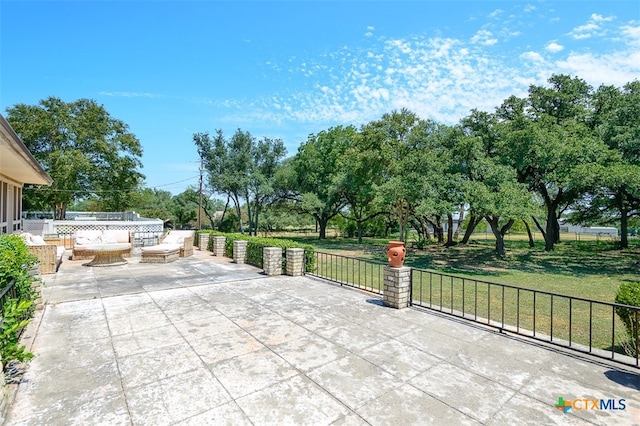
161,248
119,235
37,240
83,241
87,236
173,239
110,239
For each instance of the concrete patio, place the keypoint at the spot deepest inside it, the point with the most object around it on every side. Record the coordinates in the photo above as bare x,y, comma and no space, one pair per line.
205,341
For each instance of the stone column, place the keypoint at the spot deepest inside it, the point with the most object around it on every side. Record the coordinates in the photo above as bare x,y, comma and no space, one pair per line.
397,287
295,262
240,251
203,240
219,242
272,260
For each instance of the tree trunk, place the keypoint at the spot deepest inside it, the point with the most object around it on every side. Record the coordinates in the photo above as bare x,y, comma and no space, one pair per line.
322,224
438,231
403,213
359,224
59,211
473,223
425,227
256,210
224,212
422,228
450,241
250,218
529,234
493,223
207,213
240,226
540,228
624,223
456,234
552,229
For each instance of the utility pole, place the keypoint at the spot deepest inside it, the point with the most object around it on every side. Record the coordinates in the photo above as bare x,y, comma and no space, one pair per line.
200,197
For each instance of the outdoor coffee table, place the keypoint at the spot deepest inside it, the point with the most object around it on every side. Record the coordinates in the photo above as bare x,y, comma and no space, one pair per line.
108,254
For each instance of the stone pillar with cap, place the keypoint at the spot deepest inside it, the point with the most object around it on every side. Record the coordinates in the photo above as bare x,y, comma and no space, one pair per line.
272,260
397,287
219,242
240,251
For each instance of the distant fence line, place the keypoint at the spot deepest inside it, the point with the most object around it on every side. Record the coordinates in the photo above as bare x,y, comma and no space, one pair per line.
564,236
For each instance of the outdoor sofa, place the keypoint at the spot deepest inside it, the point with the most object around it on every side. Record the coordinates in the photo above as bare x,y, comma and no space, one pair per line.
172,245
49,255
90,237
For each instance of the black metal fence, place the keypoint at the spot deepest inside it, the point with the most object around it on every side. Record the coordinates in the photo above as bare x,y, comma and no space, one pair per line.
8,292
580,324
360,273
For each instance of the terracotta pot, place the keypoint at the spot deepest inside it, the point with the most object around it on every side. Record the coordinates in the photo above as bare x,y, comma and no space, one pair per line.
396,253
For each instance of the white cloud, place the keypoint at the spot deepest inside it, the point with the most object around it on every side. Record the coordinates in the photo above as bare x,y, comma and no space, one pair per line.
484,37
592,28
532,56
369,32
616,68
632,34
554,47
529,8
441,78
496,13
599,18
130,94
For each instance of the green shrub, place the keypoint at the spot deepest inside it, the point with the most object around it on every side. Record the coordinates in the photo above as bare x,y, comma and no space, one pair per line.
422,243
629,294
15,262
13,321
255,245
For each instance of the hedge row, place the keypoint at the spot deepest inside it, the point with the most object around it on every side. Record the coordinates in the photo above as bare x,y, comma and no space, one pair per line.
16,305
15,262
255,245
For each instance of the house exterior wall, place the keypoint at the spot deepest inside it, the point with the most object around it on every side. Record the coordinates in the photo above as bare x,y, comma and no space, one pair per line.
17,167
10,207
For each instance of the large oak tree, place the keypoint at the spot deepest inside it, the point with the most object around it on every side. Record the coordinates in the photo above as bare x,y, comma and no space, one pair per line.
88,153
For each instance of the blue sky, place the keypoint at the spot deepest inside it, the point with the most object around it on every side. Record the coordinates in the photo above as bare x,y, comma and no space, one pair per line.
285,69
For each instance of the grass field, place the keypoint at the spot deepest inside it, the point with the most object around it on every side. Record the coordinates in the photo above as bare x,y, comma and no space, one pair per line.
591,268
582,268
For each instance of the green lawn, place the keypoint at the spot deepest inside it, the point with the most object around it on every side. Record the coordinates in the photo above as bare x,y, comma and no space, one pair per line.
590,269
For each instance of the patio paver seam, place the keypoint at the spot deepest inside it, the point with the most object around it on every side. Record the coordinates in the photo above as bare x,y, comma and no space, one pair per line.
298,370
117,362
